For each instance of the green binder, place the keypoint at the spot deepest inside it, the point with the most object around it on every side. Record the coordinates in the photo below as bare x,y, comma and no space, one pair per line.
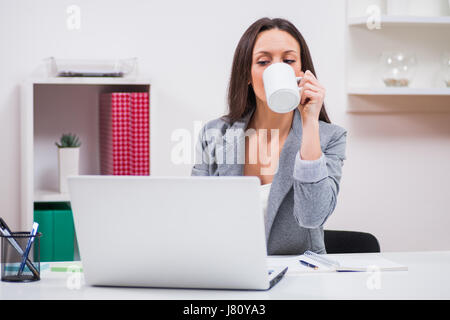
44,216
58,232
63,233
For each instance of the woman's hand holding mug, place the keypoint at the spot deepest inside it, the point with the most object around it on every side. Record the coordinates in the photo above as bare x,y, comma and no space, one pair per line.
284,92
312,97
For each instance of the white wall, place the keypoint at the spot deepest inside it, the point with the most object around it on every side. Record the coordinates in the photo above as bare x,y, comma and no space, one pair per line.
395,181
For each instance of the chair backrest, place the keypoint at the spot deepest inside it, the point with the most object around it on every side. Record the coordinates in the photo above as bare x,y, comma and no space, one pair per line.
350,242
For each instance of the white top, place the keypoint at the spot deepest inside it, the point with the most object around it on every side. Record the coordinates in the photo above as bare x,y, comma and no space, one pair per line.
265,189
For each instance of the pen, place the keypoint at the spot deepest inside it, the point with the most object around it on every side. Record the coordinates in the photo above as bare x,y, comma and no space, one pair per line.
4,229
308,264
27,250
7,233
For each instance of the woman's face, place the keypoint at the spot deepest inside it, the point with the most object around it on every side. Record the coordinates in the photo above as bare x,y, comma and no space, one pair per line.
273,46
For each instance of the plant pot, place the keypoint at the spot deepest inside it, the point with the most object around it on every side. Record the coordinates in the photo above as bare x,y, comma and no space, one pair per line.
68,164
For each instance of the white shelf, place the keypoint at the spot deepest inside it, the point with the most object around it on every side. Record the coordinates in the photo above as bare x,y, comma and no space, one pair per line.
400,91
50,196
50,106
423,35
402,21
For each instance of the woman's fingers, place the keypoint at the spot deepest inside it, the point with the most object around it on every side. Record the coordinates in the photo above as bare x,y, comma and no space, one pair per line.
312,87
310,91
309,77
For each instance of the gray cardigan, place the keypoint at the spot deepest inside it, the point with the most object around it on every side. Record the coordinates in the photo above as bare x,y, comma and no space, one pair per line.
303,193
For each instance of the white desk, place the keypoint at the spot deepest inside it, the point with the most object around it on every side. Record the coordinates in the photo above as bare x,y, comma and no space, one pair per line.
428,277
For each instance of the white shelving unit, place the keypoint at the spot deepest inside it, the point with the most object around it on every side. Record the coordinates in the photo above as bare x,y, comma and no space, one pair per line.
427,37
50,107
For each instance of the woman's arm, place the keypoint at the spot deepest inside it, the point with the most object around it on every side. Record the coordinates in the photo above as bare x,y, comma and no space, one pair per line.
317,174
316,183
312,97
310,148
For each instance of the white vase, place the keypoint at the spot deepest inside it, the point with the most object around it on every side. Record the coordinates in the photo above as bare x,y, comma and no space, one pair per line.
68,164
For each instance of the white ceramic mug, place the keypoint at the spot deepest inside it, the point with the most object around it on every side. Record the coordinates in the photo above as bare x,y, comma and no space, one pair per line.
281,87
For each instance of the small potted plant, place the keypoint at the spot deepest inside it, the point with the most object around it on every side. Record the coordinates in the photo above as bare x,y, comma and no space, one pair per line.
68,159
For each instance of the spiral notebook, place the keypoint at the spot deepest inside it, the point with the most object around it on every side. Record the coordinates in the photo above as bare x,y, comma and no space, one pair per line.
341,263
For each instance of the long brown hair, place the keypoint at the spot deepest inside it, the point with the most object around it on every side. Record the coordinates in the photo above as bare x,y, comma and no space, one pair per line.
241,97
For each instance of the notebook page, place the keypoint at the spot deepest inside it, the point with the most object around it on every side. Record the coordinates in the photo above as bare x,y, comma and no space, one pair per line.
347,263
368,263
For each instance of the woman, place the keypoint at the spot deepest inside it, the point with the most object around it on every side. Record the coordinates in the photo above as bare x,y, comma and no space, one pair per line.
303,169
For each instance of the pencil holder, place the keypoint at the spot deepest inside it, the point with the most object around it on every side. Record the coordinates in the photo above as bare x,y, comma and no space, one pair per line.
18,263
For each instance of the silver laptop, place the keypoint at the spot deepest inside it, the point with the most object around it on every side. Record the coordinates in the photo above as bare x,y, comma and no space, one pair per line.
179,232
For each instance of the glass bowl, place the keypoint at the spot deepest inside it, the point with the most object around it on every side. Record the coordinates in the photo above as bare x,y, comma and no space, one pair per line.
446,67
398,68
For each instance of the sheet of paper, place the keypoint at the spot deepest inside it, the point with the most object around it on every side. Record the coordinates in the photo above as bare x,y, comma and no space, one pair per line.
364,263
347,262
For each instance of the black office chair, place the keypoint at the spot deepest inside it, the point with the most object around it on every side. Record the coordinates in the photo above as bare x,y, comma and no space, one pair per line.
350,242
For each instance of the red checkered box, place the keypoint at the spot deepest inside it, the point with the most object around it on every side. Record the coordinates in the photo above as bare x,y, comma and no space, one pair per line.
140,134
115,140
